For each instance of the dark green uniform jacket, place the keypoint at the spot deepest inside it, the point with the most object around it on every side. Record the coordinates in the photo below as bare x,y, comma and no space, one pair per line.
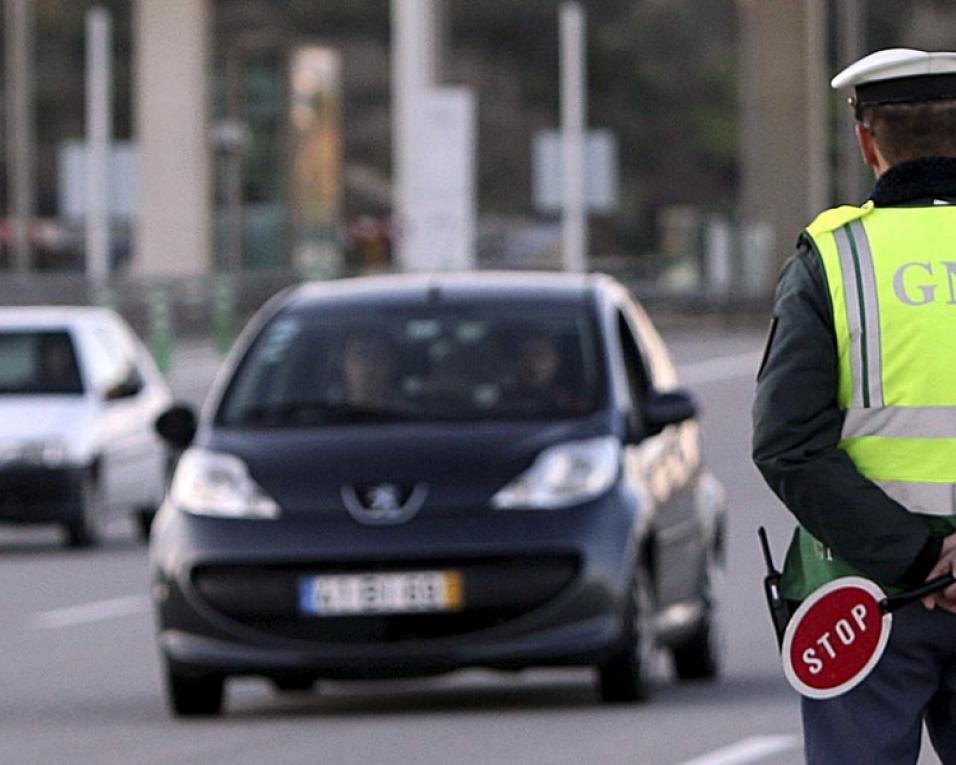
797,423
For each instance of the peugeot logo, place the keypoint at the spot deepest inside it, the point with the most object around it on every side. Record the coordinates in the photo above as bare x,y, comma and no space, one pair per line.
384,503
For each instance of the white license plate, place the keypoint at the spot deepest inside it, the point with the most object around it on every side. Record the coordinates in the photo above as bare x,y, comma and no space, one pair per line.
398,593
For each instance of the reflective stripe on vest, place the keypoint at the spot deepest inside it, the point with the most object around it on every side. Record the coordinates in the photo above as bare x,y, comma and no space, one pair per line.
863,314
891,275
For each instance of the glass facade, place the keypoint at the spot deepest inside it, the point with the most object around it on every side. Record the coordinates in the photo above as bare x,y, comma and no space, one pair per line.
277,134
250,128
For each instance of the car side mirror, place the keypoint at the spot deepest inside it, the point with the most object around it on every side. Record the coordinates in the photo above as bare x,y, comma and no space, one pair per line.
125,389
131,385
177,426
669,408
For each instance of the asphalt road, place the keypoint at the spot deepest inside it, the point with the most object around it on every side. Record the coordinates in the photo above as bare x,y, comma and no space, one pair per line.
80,680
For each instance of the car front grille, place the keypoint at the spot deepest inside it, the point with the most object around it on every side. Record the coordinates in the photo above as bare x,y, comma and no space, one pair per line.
496,591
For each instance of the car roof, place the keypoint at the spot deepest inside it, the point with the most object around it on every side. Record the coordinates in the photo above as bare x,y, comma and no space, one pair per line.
479,286
43,317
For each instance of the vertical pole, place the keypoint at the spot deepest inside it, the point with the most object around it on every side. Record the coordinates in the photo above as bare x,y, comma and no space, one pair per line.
98,135
573,111
413,69
778,44
852,37
231,167
817,99
21,181
438,29
171,106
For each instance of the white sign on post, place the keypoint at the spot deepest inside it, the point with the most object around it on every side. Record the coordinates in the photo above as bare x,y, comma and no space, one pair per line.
600,171
72,173
438,228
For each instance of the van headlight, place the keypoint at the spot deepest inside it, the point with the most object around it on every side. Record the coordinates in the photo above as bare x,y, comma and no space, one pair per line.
212,483
563,475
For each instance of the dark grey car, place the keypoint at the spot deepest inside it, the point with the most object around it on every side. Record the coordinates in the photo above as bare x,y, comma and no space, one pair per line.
410,475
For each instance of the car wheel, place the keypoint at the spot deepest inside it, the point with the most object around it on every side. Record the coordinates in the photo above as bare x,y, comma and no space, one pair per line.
144,522
194,696
699,657
81,531
622,678
294,683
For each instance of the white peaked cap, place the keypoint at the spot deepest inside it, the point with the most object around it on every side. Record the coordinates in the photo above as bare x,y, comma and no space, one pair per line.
895,63
899,76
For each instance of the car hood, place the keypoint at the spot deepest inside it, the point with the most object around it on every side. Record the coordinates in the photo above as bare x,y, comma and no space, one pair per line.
30,419
458,465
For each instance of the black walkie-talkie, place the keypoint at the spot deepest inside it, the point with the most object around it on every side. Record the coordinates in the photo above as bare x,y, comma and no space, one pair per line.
779,610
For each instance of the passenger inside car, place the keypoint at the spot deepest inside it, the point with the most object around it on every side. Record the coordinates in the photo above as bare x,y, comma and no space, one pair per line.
417,366
58,372
368,369
538,383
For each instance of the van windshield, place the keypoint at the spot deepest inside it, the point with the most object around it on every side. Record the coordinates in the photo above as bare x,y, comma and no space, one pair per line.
38,362
469,362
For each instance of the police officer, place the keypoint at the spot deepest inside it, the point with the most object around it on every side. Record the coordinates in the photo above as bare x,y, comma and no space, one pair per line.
855,412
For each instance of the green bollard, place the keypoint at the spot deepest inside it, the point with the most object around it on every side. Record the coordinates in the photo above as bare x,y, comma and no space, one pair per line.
223,313
104,297
160,329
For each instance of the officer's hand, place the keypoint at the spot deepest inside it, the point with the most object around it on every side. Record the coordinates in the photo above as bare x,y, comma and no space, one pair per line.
946,564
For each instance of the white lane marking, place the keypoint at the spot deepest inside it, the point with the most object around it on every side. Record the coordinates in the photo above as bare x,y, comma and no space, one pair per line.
90,612
721,368
749,750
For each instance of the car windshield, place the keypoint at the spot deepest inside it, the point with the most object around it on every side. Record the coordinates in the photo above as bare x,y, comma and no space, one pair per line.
485,362
38,362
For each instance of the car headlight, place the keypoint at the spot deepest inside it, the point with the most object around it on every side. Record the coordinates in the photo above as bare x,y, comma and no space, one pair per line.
50,453
564,475
212,483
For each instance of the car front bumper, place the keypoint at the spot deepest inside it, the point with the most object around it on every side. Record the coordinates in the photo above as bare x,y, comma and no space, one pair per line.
39,494
541,588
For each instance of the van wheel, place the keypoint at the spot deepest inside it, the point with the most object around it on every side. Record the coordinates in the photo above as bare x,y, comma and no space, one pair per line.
81,531
622,678
194,696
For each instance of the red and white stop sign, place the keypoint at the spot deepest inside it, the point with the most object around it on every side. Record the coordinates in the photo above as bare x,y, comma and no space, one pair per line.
835,638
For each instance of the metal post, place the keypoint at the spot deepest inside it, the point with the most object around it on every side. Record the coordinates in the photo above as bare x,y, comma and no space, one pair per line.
174,201
232,141
573,111
21,180
413,69
852,37
817,99
438,30
99,113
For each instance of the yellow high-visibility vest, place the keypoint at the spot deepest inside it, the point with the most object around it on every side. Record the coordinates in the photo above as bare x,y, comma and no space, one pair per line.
891,276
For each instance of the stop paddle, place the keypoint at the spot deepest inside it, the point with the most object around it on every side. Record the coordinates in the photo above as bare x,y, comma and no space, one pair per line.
839,633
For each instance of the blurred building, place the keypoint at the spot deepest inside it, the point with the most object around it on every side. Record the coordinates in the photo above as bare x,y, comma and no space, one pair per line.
266,95
228,134
206,88
262,128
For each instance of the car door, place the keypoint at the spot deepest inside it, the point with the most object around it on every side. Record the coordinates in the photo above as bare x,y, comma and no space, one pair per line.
665,464
132,460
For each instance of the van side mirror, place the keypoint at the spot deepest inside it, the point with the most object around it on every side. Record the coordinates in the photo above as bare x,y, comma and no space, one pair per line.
669,408
177,426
